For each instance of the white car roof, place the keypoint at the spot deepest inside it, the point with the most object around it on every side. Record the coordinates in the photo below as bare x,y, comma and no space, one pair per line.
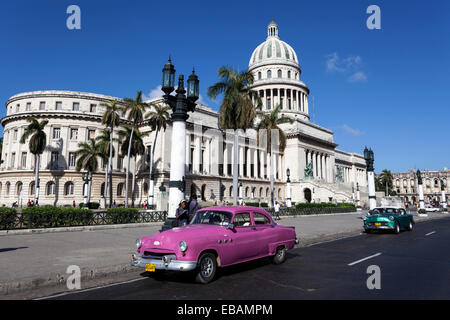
388,207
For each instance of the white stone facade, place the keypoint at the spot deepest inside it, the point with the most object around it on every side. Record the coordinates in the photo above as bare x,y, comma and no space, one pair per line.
75,117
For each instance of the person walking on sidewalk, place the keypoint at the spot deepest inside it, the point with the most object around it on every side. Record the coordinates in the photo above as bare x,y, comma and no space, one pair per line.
193,207
182,214
277,210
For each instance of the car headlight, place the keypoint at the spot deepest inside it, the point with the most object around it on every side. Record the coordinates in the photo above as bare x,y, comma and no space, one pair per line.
138,243
183,246
391,218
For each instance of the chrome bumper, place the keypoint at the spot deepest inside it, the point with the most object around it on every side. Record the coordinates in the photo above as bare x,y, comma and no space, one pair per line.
378,228
169,264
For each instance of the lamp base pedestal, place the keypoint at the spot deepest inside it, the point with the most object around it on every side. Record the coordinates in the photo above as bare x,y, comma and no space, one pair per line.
169,224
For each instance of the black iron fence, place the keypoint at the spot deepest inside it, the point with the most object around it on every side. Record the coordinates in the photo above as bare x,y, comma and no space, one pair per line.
63,217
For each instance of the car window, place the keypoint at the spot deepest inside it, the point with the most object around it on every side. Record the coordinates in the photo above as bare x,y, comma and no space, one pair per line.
402,211
212,217
260,219
242,220
390,210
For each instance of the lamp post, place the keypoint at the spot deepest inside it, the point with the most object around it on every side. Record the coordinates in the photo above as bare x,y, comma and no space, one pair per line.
358,198
180,104
241,196
443,198
87,178
422,211
288,188
369,157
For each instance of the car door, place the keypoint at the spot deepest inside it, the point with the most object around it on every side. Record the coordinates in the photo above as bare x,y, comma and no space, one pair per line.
244,243
264,232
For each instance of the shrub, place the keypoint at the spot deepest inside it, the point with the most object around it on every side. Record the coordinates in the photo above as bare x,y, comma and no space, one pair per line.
252,204
90,205
52,217
8,218
122,215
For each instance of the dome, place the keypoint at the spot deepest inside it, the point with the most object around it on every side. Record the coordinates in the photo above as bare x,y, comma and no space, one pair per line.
273,50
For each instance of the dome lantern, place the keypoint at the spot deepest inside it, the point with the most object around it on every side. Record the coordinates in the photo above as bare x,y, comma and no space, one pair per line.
272,30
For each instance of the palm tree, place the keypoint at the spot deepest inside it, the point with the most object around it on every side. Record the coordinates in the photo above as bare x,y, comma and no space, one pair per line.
386,180
237,110
87,159
111,118
37,144
137,148
105,140
135,108
268,122
157,120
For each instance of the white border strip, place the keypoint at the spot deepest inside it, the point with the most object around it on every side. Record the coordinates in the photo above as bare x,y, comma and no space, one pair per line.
364,259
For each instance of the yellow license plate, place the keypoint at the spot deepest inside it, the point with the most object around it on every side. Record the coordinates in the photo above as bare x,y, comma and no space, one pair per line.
377,224
150,267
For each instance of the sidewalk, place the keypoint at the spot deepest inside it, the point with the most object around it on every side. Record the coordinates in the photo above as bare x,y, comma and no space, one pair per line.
30,261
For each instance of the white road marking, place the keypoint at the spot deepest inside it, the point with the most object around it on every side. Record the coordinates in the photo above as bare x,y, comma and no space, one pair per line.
430,233
364,259
89,289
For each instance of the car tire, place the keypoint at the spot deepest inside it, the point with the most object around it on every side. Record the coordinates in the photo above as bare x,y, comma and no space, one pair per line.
280,256
410,226
207,268
397,228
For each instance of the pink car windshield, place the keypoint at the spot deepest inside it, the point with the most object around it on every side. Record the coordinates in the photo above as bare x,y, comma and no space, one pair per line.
212,217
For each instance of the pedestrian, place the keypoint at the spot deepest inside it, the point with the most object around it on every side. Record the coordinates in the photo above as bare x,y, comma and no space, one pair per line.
28,203
182,214
32,203
194,206
277,210
74,204
114,204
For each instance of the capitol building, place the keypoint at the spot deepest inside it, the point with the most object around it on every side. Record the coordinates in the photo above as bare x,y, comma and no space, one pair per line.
331,174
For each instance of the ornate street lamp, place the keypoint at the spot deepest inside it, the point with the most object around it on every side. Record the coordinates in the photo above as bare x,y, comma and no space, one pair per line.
369,157
422,211
443,198
87,178
288,188
180,105
241,194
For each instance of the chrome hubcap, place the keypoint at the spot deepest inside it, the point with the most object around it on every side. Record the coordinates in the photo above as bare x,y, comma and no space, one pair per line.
280,253
207,267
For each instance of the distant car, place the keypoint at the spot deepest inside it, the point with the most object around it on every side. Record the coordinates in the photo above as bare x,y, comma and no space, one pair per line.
388,219
431,209
216,237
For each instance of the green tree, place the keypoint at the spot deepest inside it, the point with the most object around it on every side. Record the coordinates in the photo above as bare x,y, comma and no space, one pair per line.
137,148
157,120
87,156
269,125
36,145
111,119
105,141
236,110
135,109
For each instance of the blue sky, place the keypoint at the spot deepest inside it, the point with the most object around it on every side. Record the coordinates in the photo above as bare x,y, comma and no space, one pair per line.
388,88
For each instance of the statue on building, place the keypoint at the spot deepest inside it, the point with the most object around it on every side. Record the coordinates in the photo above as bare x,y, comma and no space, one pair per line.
419,177
309,170
339,174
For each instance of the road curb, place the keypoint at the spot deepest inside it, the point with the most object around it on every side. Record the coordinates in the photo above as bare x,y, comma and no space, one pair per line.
80,228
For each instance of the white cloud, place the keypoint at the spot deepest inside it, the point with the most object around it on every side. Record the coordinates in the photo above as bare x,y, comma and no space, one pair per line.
349,65
351,131
154,93
358,77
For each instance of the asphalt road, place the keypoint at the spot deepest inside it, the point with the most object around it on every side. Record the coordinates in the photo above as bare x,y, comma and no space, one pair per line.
413,265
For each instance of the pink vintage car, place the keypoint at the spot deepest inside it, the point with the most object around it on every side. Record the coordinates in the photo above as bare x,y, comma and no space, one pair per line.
216,237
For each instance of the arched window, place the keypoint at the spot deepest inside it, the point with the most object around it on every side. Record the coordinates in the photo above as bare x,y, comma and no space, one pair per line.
19,187
0,188
289,74
267,192
269,74
51,188
261,192
246,192
145,188
102,189
279,73
203,192
31,191
119,189
231,192
8,185
68,188
259,75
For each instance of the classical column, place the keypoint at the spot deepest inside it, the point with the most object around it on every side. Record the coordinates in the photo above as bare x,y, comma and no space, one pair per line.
369,157
288,189
225,160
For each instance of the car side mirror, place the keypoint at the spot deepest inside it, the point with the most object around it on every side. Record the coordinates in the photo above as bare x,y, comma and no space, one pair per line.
230,226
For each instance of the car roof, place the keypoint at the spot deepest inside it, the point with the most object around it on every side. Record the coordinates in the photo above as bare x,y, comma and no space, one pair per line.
388,207
235,209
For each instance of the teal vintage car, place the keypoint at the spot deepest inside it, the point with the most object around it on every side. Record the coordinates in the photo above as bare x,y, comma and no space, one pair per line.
388,219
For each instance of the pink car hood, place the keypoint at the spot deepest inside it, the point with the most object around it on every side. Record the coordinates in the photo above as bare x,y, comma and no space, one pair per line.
170,239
